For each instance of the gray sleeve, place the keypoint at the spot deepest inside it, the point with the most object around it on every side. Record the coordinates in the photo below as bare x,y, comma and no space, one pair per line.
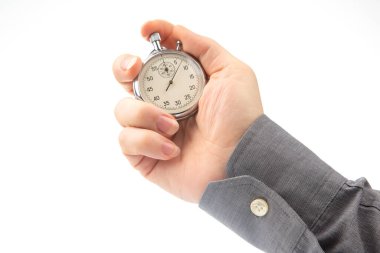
310,207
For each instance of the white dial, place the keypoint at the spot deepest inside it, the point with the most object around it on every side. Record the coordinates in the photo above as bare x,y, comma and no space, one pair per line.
172,81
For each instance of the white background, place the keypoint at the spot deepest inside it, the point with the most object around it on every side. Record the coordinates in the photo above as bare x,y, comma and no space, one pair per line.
64,184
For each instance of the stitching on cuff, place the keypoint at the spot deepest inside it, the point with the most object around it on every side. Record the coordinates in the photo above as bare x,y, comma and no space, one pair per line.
318,217
298,240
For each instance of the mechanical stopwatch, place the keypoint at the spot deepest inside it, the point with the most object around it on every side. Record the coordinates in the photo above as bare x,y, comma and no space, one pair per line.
171,80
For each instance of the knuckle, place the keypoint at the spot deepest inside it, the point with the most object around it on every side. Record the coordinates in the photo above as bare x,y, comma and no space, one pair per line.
143,112
137,113
133,113
127,144
124,111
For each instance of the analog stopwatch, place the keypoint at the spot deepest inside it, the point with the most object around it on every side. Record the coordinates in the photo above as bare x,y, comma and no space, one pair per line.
171,80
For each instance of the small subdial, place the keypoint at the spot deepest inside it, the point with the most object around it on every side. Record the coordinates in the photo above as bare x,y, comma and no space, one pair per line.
166,69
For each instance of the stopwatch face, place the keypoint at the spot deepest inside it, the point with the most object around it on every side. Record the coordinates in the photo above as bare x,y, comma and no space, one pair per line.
172,81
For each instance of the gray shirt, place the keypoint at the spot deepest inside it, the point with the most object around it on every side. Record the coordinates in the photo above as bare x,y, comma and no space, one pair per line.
280,197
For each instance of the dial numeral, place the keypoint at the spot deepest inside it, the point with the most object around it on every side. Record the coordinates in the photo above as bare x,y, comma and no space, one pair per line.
166,103
192,87
149,89
187,97
177,102
149,78
185,67
154,68
191,76
175,62
156,98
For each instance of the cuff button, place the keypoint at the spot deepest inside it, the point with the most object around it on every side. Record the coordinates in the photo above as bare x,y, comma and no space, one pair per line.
259,207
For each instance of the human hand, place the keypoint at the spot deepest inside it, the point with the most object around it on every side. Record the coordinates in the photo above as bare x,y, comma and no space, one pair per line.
183,158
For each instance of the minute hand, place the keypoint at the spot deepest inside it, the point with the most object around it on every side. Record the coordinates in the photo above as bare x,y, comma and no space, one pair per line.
171,81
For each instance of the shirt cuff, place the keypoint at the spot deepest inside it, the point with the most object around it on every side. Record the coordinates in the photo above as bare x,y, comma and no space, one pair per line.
279,230
298,186
271,155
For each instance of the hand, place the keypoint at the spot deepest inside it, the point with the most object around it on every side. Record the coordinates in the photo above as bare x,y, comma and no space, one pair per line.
183,158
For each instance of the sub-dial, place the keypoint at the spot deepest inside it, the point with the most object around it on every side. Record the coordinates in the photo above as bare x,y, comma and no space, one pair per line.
166,69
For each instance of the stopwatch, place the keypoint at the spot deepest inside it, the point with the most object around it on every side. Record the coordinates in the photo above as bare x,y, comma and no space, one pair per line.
171,80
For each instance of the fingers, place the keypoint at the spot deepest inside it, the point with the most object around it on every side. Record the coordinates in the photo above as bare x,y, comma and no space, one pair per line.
137,141
126,68
211,55
135,113
146,131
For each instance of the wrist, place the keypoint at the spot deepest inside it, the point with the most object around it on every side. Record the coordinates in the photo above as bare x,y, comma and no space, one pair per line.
220,157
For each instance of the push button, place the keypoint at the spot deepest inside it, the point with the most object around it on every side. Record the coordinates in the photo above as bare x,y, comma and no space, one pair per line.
259,207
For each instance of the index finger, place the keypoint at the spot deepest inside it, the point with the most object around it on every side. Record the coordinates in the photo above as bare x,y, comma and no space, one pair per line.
212,56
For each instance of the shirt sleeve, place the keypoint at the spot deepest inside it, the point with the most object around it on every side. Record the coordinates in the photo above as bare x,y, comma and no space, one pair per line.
280,197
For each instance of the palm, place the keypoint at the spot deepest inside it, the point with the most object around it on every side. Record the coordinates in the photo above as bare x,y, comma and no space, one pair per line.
207,140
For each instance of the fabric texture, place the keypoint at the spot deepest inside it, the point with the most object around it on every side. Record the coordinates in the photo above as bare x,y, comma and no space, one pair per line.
312,208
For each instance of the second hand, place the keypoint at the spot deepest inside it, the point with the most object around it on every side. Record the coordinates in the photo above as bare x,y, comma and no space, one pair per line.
171,81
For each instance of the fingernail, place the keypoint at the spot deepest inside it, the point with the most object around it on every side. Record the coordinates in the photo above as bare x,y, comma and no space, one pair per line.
167,125
169,149
128,62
